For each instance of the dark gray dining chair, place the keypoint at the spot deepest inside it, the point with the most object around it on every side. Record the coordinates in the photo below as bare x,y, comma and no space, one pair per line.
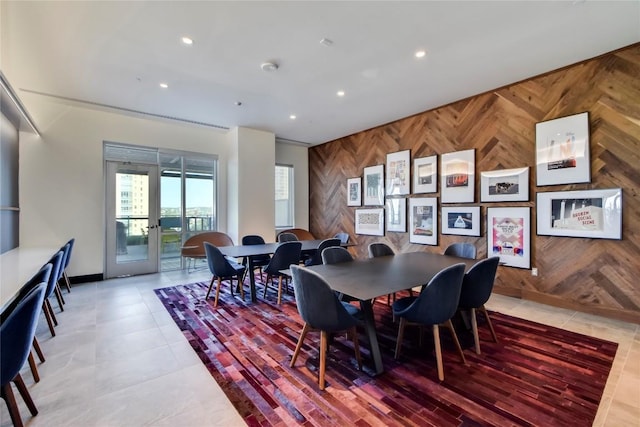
321,310
286,254
222,269
316,258
338,255
382,249
344,237
287,237
462,250
258,261
435,306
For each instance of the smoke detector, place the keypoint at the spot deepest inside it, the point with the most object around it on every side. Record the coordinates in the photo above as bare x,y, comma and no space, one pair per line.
269,66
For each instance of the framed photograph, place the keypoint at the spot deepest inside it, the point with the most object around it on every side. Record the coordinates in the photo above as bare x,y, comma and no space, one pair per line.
370,221
506,185
374,185
396,213
423,220
457,180
398,176
509,236
425,174
596,214
461,220
354,191
562,151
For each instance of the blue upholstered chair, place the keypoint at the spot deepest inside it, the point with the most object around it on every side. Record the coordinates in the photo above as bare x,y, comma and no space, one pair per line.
67,248
287,254
222,269
17,330
258,261
57,267
316,258
436,305
462,250
321,310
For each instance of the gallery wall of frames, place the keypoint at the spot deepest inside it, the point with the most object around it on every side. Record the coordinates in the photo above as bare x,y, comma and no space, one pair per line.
543,173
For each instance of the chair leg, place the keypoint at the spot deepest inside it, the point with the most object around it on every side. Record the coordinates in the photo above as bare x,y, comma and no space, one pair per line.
53,314
306,328
266,285
67,282
403,322
36,347
241,286
233,293
323,357
455,340
215,302
59,296
47,316
436,342
486,315
474,328
356,346
24,392
279,289
12,405
33,367
210,287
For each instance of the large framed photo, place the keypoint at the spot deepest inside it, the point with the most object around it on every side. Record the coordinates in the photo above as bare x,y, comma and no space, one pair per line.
457,182
562,151
398,176
396,212
461,220
354,192
509,236
374,185
595,214
423,220
370,221
506,185
425,174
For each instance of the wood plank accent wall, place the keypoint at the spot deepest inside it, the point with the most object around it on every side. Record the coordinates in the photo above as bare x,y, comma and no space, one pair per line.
590,275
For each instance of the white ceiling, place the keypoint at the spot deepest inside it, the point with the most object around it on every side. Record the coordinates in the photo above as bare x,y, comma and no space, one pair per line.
116,53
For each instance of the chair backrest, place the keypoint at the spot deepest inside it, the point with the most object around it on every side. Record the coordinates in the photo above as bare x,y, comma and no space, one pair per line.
286,254
344,237
253,239
316,259
336,255
43,275
17,330
478,283
462,250
379,249
438,301
57,267
218,264
287,237
67,255
301,233
194,245
317,304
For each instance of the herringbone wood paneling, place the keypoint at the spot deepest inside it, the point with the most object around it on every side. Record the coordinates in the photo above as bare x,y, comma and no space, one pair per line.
592,275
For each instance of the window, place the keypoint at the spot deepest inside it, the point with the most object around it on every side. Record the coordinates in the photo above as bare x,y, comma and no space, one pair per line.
284,196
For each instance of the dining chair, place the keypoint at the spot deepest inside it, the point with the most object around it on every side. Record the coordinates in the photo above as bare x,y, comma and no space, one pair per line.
435,306
462,250
476,290
316,258
286,255
344,237
57,266
382,249
68,249
17,330
321,310
337,255
193,248
300,233
258,261
222,269
287,237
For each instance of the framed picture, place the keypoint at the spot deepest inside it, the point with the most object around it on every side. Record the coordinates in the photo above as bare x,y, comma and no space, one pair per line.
354,191
457,181
370,221
562,151
425,174
396,213
509,236
374,185
595,214
423,220
461,220
506,185
398,177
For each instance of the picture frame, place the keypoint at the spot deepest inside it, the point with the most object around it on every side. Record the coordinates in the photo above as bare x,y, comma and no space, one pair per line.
423,220
594,214
425,175
461,220
505,185
509,235
562,150
354,191
374,185
396,214
370,221
457,177
398,173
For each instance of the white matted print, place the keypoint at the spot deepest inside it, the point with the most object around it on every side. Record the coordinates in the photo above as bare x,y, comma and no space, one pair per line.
370,221
562,150
457,181
374,185
461,220
506,185
423,220
396,212
596,214
425,174
354,192
398,176
509,236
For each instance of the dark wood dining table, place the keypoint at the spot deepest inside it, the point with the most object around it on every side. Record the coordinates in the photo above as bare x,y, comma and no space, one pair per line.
374,277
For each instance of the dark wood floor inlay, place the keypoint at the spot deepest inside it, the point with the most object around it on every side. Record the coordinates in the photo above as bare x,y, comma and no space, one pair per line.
536,375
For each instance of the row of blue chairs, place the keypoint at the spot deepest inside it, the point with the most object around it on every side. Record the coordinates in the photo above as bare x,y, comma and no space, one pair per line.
18,323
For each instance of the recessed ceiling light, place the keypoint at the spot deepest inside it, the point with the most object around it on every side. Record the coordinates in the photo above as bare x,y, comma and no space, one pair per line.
269,66
164,85
420,53
326,42
187,40
292,117
340,93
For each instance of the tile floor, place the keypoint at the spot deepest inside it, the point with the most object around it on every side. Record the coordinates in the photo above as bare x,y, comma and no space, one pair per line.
119,360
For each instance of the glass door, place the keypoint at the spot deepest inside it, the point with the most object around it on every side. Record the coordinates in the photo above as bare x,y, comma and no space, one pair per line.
132,220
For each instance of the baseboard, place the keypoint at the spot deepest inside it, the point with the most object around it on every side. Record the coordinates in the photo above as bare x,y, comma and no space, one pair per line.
87,278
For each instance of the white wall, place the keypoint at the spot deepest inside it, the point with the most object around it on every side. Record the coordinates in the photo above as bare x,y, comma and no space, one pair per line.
297,156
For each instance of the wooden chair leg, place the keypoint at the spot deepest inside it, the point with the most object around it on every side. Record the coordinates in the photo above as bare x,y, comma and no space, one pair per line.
215,302
436,342
51,312
400,337
323,358
67,282
47,316
266,285
306,328
279,289
241,286
356,346
455,340
36,347
12,405
474,329
59,296
486,315
33,367
210,287
24,392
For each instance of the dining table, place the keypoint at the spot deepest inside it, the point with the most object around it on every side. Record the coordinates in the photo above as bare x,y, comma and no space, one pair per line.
367,279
